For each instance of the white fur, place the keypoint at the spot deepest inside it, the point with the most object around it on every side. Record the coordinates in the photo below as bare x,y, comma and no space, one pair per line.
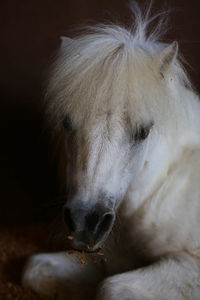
101,79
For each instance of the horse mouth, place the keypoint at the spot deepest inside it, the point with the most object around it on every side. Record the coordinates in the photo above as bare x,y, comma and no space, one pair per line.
86,250
82,246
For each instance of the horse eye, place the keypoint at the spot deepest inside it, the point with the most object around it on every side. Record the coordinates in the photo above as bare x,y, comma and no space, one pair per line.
142,133
67,124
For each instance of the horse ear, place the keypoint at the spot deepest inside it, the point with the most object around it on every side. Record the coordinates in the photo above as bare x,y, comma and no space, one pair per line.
166,57
65,41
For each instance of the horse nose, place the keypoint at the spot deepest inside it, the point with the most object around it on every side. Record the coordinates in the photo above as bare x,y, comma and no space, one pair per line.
88,228
99,225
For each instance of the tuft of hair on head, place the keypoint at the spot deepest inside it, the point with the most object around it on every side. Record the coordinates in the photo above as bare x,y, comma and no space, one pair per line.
143,20
149,28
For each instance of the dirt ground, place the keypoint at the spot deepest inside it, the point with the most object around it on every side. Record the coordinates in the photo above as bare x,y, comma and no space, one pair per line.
16,244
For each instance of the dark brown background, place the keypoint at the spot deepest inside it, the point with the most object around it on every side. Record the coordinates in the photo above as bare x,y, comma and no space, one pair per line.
29,34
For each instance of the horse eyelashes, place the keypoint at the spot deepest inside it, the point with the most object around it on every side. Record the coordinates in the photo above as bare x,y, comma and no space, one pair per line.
142,133
67,124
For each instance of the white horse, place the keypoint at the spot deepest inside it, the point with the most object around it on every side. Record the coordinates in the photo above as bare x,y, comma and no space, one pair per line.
126,125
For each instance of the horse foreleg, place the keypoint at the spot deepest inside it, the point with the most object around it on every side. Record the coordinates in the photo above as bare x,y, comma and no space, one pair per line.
173,277
62,275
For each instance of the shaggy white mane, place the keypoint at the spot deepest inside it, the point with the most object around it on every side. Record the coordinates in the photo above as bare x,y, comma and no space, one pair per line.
109,68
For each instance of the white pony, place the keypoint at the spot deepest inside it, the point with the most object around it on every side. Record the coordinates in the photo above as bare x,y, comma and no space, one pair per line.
126,125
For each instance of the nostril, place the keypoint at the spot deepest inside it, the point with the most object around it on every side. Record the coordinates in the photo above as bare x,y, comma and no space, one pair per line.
68,219
105,224
91,221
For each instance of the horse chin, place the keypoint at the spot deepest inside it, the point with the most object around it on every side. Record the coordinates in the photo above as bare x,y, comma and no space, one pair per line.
85,248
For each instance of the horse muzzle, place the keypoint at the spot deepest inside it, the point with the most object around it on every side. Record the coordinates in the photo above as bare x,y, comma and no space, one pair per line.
88,230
